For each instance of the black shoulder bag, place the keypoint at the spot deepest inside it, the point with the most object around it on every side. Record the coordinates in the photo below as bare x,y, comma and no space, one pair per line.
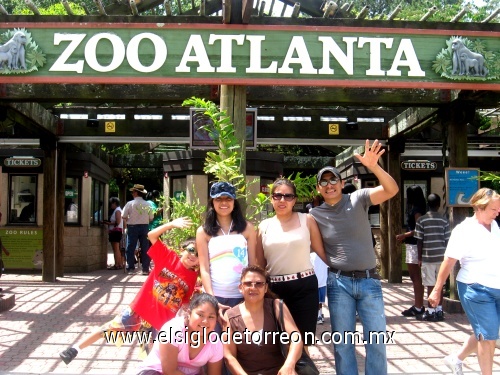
305,365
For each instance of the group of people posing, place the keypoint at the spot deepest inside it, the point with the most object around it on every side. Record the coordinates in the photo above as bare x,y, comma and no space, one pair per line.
245,271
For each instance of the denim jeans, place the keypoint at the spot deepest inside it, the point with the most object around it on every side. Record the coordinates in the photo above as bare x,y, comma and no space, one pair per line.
139,233
346,295
482,306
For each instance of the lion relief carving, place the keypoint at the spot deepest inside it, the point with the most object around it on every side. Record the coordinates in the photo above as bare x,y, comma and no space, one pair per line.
12,53
466,62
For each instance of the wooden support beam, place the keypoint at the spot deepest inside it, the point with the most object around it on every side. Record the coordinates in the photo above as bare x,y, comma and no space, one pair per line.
394,222
226,11
67,7
100,7
133,7
409,119
32,7
247,10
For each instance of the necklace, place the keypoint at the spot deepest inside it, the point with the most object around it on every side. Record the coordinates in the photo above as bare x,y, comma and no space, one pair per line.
222,230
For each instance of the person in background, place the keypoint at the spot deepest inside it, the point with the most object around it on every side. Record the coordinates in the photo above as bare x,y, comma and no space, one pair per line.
432,232
188,343
115,232
137,214
284,243
353,283
474,242
415,207
321,271
257,313
153,198
168,287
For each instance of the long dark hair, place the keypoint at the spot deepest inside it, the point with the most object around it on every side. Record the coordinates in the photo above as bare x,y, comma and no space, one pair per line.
211,227
415,198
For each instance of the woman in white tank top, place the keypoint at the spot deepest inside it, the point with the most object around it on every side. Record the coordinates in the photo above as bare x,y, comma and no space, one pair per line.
225,244
284,243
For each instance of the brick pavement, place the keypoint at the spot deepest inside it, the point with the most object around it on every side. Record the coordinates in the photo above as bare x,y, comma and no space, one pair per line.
49,316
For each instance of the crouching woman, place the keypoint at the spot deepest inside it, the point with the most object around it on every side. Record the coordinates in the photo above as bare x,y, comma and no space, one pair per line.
258,351
184,345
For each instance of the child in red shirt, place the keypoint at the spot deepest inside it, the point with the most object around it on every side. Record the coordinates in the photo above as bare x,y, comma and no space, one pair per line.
169,286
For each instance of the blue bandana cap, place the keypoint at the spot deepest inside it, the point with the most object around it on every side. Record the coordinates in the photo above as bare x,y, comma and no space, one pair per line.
223,189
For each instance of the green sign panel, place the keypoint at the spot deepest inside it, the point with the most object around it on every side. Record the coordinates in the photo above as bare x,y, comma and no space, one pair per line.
25,247
248,54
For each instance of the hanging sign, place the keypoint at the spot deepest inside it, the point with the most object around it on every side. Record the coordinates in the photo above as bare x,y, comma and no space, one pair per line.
418,165
176,53
27,162
461,184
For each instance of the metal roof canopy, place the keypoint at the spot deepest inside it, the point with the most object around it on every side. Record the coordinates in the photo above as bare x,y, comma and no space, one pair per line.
285,99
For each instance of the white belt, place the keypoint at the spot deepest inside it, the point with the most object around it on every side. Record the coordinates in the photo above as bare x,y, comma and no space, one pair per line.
292,276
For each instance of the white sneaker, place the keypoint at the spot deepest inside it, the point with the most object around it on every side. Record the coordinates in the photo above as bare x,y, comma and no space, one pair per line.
453,364
321,320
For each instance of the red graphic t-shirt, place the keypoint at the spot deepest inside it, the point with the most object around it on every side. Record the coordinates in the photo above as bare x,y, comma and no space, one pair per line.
167,288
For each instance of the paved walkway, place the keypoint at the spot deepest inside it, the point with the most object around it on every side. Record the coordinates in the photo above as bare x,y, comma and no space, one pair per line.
49,316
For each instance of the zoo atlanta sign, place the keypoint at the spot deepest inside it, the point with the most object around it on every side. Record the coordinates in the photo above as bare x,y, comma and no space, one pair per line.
139,53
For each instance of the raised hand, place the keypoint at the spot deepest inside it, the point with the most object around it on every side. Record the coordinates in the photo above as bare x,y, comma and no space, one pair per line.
372,154
181,222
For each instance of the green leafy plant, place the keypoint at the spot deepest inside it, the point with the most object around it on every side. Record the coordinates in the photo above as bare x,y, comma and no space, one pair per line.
225,162
179,207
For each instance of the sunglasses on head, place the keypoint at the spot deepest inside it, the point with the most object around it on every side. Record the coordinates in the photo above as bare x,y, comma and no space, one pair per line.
331,181
287,197
255,284
191,249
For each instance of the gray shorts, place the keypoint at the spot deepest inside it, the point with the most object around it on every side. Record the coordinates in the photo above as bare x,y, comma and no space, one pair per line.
429,273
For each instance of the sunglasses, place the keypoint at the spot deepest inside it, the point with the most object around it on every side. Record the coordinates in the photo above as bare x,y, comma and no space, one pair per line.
287,197
191,249
255,284
332,181
489,193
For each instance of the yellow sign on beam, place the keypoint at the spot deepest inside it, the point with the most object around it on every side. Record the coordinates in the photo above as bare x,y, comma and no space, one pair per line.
109,127
333,129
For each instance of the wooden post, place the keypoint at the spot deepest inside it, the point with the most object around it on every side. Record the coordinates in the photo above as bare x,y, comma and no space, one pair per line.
384,233
458,114
394,220
59,224
49,202
234,98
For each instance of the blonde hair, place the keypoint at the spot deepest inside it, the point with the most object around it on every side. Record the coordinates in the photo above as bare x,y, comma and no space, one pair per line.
482,198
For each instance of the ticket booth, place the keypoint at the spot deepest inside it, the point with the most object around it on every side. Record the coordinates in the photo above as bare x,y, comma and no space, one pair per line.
22,207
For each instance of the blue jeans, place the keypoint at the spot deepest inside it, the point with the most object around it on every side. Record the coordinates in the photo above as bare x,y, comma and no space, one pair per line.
482,306
347,295
138,232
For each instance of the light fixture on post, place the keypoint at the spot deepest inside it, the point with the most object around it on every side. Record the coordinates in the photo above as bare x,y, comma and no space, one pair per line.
352,125
92,123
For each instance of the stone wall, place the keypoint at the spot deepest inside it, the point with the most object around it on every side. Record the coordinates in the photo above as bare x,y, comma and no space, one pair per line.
85,249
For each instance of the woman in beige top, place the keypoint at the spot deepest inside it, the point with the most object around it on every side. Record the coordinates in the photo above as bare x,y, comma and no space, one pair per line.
284,243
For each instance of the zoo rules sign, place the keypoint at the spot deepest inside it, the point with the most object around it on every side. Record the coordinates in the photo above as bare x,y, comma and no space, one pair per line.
248,54
25,247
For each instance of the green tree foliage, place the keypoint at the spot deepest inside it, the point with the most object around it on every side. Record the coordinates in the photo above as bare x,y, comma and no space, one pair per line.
46,8
414,10
49,6
181,208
